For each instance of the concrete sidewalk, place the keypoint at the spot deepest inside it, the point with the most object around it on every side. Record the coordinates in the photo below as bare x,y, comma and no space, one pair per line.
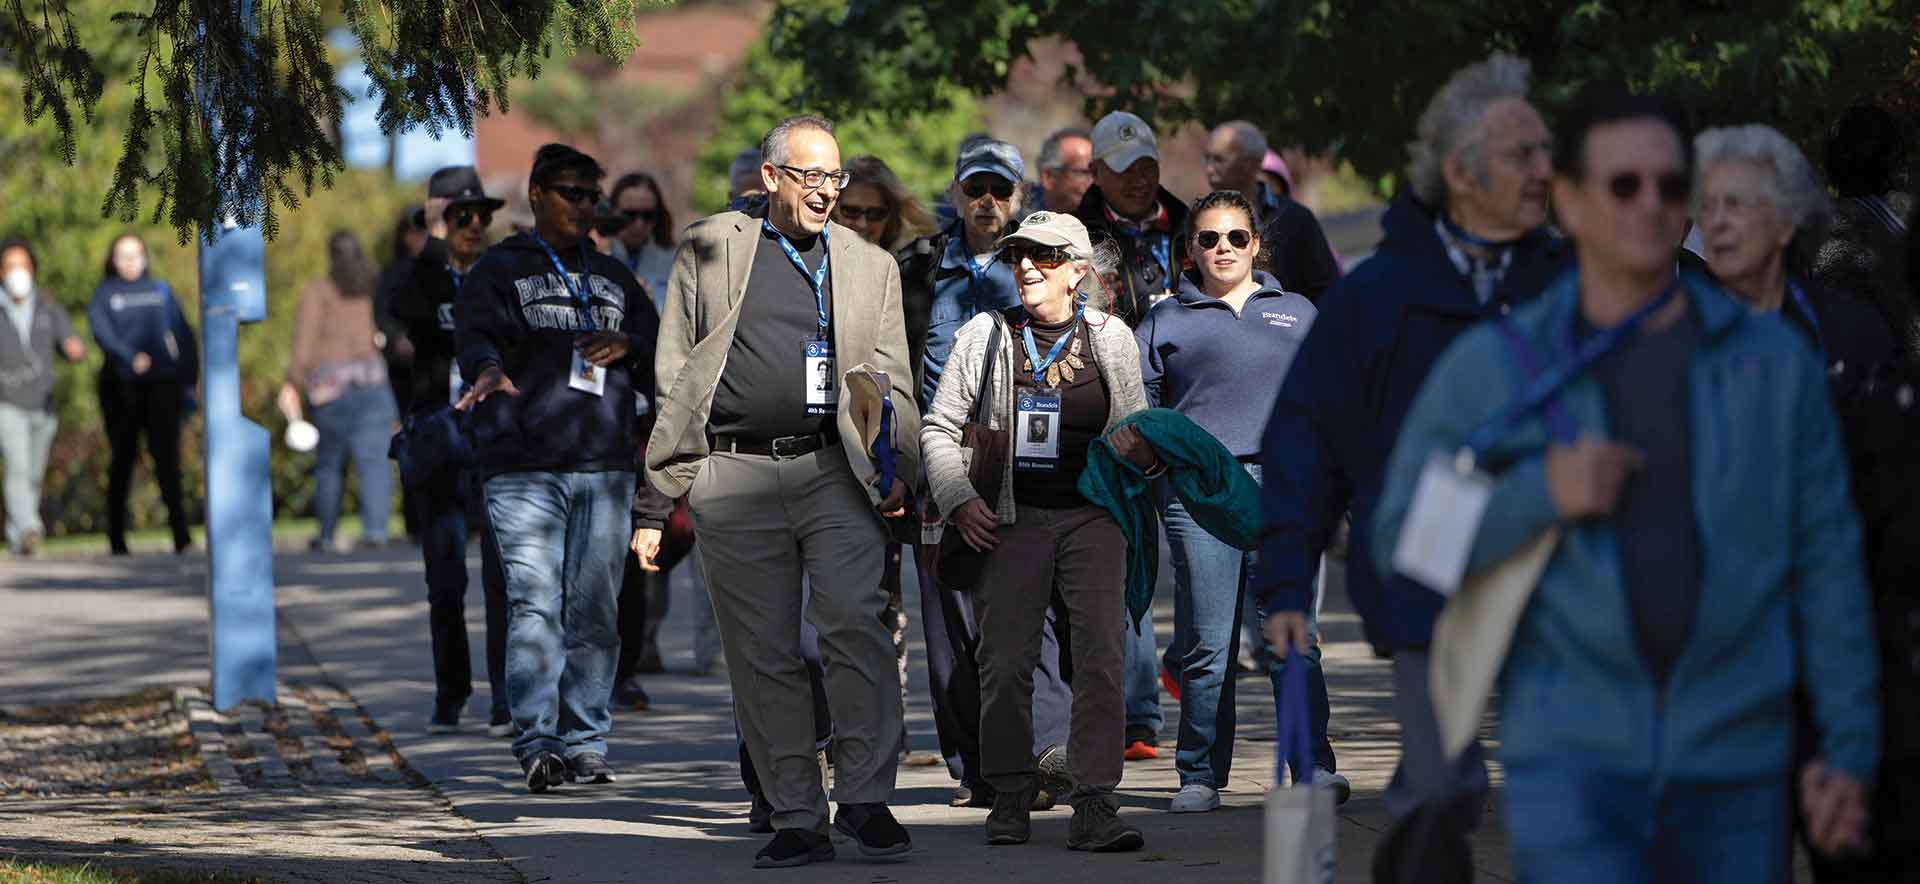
678,811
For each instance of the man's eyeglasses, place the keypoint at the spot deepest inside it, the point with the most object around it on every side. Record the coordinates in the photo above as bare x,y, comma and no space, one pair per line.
1673,186
461,216
1073,171
576,194
647,215
1043,257
814,179
1208,239
979,185
872,214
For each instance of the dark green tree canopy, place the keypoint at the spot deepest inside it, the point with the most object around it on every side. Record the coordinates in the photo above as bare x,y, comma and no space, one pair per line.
1353,76
268,81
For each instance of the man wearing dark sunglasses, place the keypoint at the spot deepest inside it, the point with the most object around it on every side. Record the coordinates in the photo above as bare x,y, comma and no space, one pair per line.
1465,242
556,343
1707,556
946,279
457,214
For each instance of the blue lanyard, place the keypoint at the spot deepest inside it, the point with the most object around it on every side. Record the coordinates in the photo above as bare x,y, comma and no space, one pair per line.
1805,307
1548,384
818,278
579,297
460,278
1033,351
1160,244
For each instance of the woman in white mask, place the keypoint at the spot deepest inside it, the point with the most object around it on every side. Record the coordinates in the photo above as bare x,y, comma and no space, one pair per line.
35,327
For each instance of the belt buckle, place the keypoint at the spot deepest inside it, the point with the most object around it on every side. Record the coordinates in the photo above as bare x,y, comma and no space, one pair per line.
787,446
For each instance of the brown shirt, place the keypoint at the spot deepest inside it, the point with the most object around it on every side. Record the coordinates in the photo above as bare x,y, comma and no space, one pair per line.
331,332
1083,416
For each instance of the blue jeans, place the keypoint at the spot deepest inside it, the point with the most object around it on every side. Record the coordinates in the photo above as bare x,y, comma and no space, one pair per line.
1142,664
25,437
1208,578
563,544
359,423
1571,826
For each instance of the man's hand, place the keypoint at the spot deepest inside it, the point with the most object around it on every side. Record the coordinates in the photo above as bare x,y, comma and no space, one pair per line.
646,545
1286,629
895,503
141,362
436,212
1584,479
1835,807
73,349
977,522
602,348
1133,447
492,380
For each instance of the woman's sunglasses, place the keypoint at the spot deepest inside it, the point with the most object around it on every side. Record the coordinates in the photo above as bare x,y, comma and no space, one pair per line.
1673,187
1208,239
647,215
979,186
872,214
1043,257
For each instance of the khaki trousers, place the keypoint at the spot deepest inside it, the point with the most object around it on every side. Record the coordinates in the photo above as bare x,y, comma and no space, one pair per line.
763,524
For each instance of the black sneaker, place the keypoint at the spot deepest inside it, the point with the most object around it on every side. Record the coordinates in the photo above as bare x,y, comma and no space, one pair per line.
971,795
500,723
1011,820
632,693
1056,771
446,718
544,771
794,847
874,829
589,767
1097,826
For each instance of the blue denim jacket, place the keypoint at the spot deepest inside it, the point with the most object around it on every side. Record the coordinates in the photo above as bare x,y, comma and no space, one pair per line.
1784,599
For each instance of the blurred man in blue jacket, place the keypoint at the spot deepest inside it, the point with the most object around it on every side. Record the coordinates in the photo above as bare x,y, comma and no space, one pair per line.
1690,459
1467,243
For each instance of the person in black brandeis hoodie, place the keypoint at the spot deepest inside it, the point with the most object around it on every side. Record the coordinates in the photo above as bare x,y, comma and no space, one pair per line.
557,339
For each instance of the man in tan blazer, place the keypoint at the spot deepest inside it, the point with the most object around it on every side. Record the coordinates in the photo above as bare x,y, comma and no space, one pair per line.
780,488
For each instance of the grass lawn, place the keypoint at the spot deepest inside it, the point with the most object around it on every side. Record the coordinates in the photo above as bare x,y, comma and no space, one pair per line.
34,873
287,533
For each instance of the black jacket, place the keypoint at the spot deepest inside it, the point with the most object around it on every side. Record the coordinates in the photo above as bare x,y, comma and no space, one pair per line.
515,312
1139,283
421,301
1297,248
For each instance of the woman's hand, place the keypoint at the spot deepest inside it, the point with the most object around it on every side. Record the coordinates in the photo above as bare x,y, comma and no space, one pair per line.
289,402
977,522
1134,449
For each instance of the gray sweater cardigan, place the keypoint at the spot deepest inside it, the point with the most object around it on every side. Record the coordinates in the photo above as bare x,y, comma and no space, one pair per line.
1114,352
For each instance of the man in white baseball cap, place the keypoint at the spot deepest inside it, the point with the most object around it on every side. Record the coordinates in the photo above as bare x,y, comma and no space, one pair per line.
1127,204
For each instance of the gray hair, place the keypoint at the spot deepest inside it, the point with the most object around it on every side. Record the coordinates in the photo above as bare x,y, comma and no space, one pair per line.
1103,262
1247,137
745,164
1454,123
1792,186
1050,160
774,146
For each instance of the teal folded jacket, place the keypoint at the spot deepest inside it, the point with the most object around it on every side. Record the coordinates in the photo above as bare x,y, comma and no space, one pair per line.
1216,489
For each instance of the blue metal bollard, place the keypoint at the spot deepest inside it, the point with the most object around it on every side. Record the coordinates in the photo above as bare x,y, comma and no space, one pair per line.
233,290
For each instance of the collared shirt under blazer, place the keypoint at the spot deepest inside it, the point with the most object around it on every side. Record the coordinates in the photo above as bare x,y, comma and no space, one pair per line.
1114,352
704,293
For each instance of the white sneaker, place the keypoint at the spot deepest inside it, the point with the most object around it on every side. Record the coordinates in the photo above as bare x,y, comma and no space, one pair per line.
1195,798
1342,790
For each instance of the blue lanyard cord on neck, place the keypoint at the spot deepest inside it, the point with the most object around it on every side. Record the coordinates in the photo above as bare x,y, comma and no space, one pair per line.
457,277
817,278
579,294
1548,383
1160,244
1033,351
1805,307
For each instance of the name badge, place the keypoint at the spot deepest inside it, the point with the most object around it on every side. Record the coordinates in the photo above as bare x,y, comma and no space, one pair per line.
454,385
1437,537
822,385
586,377
1036,423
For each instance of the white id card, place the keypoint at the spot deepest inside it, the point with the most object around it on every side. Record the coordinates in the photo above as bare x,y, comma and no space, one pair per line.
1437,536
454,385
586,377
822,384
1036,423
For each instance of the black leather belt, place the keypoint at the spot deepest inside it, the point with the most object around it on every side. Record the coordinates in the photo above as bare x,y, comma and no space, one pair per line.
784,446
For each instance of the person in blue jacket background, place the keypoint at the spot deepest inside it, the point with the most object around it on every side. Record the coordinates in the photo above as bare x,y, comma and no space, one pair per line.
1709,557
1468,242
146,385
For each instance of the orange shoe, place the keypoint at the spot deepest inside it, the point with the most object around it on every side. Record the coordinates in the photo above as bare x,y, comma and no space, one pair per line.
1140,751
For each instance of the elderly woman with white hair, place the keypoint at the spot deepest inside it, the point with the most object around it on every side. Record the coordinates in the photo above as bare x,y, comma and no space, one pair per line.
1058,373
1761,212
